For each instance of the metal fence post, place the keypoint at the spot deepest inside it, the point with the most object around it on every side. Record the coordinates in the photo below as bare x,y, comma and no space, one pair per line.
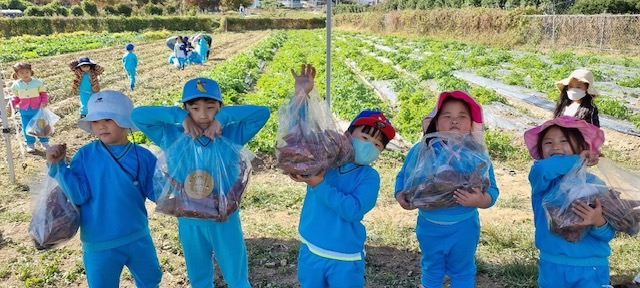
553,30
602,31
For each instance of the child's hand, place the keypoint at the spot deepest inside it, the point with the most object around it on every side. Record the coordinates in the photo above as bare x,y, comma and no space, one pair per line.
312,181
56,153
214,129
190,127
590,215
475,198
401,197
304,81
591,157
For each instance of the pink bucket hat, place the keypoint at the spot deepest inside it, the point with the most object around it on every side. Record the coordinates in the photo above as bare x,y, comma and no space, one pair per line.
582,75
474,106
593,135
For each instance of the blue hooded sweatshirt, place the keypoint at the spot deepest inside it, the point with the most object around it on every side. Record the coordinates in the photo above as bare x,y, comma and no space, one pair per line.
593,249
332,212
112,211
451,214
130,62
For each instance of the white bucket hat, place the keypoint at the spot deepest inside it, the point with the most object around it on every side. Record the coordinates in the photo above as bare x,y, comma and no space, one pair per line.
108,104
582,75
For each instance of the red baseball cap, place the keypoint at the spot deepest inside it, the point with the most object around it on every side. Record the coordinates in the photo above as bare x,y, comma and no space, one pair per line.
375,119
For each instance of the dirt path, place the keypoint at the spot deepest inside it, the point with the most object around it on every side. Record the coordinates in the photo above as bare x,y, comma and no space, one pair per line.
154,74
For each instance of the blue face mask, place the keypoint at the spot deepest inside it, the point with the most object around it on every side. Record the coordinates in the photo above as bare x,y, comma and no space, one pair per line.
366,152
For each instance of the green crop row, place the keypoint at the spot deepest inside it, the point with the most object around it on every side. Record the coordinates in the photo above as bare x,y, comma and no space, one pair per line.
348,95
434,59
237,75
29,46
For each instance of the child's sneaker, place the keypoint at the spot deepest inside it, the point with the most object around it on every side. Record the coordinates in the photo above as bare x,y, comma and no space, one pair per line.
45,145
132,86
31,148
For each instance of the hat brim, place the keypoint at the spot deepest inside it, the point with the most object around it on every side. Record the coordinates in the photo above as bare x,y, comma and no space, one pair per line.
387,129
85,123
593,135
85,63
191,97
564,82
474,106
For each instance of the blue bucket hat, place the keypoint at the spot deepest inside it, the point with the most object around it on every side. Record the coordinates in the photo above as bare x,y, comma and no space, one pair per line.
128,47
108,104
201,87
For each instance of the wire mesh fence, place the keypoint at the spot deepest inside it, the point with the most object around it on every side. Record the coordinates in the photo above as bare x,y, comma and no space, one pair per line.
603,31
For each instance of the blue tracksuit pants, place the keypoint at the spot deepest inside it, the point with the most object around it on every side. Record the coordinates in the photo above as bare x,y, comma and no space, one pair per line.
201,240
448,249
132,77
104,267
319,272
558,275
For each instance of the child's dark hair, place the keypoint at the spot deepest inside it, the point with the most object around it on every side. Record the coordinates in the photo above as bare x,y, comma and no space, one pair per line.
576,140
432,125
205,99
373,132
586,110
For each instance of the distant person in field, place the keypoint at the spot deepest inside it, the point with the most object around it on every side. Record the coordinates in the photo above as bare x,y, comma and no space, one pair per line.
200,121
241,10
576,97
557,146
110,179
331,230
29,95
448,233
86,80
180,52
130,63
203,48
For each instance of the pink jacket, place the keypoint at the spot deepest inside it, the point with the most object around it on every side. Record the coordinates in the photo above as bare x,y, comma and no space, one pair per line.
29,95
34,102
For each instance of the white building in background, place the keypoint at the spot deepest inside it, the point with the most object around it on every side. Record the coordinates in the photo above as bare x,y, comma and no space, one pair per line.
291,3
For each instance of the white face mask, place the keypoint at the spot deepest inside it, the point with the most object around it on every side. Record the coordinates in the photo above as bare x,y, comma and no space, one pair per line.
575,94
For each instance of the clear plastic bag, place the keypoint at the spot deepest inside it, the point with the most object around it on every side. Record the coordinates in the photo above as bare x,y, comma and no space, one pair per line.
202,180
616,189
621,202
41,125
447,162
55,219
308,139
576,185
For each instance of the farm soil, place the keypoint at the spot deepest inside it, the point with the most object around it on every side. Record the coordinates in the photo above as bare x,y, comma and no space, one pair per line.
272,260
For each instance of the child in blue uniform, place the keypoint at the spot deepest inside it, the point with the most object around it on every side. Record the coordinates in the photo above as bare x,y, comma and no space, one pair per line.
86,80
448,237
130,63
337,200
558,145
203,118
109,179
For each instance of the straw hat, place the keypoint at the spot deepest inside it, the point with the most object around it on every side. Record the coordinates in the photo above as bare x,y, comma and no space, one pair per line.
582,75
